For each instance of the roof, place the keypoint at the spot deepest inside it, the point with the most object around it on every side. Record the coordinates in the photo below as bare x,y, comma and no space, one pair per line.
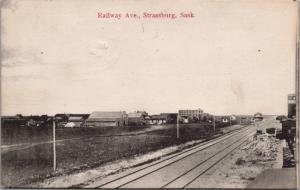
258,114
33,117
61,115
11,118
107,115
189,110
83,116
157,117
102,120
135,114
169,114
76,118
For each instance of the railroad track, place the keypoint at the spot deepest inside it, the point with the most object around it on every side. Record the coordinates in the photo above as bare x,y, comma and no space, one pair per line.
178,170
188,179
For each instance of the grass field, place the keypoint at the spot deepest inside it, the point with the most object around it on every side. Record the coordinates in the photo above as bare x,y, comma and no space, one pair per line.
35,163
19,135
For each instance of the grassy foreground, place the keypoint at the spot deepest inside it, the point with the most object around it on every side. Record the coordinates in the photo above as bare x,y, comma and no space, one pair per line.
34,164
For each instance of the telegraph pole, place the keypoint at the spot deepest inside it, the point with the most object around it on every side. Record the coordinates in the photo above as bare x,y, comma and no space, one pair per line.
214,123
240,119
178,125
54,147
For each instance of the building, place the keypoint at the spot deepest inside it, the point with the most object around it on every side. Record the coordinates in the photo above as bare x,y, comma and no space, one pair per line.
156,119
61,119
32,120
206,117
291,105
107,119
233,117
38,121
244,119
137,118
13,121
190,116
258,116
76,120
171,118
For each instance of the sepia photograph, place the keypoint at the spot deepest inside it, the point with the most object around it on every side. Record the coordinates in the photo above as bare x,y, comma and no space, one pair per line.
100,94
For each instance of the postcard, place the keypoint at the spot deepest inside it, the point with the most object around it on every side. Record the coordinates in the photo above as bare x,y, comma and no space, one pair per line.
149,94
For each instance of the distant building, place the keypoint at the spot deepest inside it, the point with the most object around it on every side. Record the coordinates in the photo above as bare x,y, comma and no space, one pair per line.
76,120
190,116
82,116
225,119
244,119
206,117
13,121
233,117
156,119
258,116
32,120
137,118
38,121
171,118
291,105
61,119
107,119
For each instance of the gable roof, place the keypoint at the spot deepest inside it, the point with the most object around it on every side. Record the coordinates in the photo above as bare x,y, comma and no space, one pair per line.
135,114
83,116
75,118
107,115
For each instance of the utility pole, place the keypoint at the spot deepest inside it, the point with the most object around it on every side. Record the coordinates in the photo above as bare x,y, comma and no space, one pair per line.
54,147
214,123
178,125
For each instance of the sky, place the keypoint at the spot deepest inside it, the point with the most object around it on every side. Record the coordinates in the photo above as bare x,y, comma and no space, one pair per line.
232,57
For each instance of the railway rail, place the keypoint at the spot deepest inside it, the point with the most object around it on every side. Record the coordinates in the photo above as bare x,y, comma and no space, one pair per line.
178,170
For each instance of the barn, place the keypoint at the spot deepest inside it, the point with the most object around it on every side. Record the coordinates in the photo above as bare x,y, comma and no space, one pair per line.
136,118
107,119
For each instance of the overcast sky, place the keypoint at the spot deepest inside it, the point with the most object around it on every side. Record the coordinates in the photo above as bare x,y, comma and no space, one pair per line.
233,57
